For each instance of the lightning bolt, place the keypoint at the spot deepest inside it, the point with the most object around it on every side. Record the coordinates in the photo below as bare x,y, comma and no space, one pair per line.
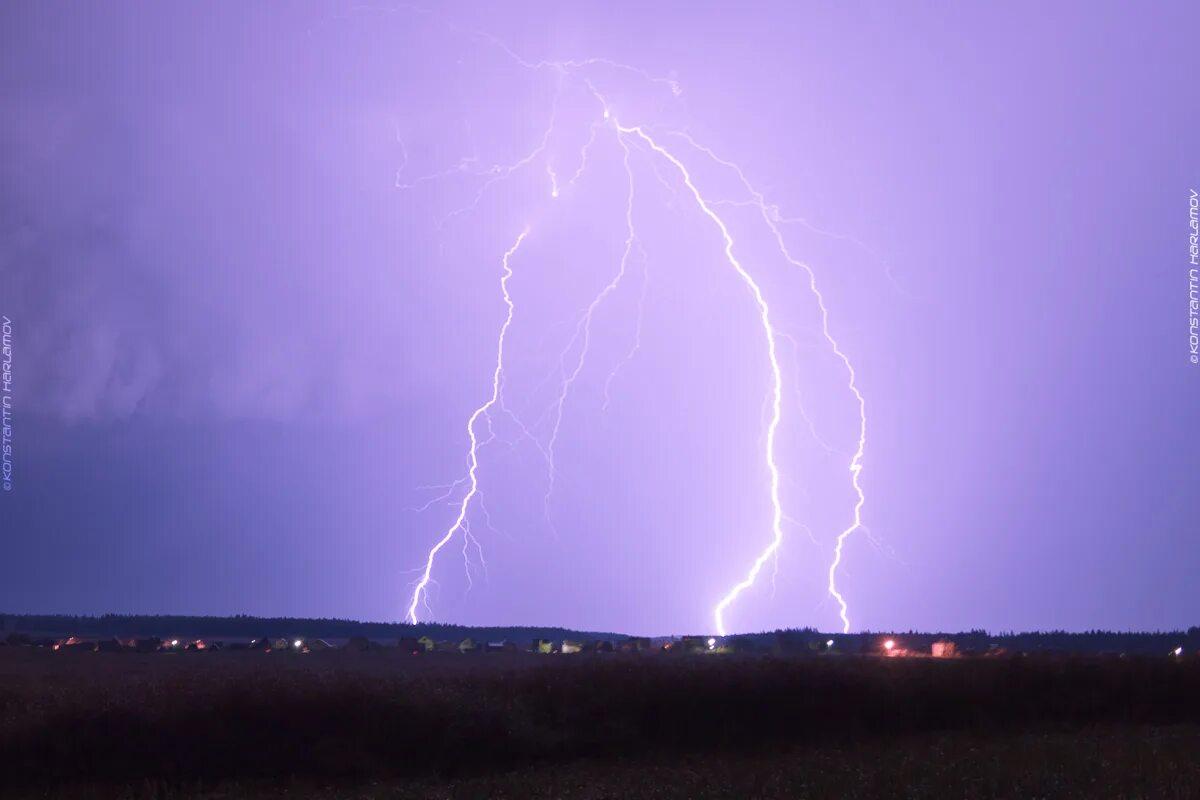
573,358
770,216
776,376
460,522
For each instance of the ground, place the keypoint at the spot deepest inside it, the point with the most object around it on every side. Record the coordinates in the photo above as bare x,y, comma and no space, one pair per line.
390,725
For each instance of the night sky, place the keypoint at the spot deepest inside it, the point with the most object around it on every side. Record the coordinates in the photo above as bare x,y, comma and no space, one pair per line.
252,253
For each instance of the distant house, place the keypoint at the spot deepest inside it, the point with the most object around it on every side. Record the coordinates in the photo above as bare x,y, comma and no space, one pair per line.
359,644
544,646
427,643
445,647
792,643
113,645
318,645
744,644
693,644
569,646
74,643
196,644
409,644
944,650
468,645
600,646
281,644
502,647
150,644
262,643
635,644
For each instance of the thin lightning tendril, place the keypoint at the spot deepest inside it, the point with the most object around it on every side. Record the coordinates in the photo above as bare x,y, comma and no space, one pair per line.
637,333
584,328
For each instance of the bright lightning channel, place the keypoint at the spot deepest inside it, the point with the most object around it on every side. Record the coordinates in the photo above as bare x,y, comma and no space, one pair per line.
770,216
418,594
776,374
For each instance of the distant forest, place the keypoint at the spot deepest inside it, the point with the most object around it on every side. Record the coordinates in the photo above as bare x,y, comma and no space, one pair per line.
793,640
247,627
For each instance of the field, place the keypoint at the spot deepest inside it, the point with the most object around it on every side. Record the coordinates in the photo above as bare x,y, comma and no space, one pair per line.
391,725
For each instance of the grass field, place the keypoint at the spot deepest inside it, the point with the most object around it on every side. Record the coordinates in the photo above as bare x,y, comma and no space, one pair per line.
389,725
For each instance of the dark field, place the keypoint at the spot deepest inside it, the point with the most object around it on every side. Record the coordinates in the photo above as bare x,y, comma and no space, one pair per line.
389,725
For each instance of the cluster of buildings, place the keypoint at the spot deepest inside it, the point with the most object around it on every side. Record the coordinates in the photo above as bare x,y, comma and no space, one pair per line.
412,645
268,644
785,643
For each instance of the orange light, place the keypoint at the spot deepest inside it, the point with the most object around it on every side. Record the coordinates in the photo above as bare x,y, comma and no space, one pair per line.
889,644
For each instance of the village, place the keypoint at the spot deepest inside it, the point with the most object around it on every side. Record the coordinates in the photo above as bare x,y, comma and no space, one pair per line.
780,644
297,636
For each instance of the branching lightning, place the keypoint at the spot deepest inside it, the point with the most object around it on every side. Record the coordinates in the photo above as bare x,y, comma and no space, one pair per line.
776,376
583,331
770,216
460,522
573,357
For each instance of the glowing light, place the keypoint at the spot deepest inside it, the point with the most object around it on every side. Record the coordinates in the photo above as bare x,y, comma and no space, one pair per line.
174,643
1178,651
473,455
297,644
889,645
829,643
712,643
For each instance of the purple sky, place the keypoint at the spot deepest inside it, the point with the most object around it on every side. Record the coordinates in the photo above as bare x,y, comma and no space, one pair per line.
246,331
